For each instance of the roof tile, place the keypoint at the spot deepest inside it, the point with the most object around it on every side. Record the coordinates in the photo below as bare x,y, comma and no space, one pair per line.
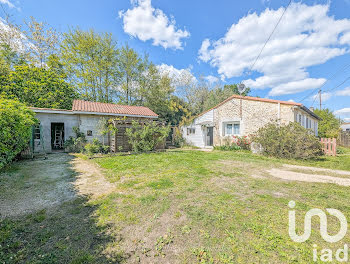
86,106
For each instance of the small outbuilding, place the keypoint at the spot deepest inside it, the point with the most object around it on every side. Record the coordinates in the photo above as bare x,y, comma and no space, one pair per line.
56,125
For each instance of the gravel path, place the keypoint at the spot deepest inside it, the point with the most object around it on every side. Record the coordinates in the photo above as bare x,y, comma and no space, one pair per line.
33,185
304,177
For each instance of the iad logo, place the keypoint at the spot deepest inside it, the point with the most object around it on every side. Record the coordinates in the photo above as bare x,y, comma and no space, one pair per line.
326,255
323,224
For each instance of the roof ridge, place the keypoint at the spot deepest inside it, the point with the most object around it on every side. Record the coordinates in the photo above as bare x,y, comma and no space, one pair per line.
266,100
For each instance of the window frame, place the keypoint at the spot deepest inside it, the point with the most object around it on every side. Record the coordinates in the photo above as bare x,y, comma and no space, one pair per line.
191,131
233,123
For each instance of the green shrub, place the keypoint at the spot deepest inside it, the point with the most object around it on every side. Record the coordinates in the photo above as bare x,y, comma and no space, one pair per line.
290,141
146,137
16,122
76,144
234,143
96,147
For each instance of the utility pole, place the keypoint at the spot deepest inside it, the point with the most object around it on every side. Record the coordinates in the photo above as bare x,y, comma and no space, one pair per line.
320,94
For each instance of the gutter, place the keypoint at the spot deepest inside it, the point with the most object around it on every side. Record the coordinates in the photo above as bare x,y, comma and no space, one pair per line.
307,110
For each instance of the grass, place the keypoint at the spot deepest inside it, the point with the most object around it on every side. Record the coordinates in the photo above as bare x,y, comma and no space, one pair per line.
195,207
181,206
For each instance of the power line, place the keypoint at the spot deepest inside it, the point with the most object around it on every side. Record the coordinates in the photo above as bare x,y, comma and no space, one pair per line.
325,82
348,78
273,31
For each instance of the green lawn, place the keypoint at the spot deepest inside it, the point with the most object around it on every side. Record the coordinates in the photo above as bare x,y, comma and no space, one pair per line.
181,206
217,207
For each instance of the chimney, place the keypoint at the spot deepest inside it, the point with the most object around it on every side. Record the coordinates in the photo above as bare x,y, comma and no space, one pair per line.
312,108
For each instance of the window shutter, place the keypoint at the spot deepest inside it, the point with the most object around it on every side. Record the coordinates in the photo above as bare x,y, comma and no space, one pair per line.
223,129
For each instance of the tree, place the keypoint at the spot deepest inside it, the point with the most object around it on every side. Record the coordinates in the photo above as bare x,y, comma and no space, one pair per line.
43,41
15,121
38,87
131,68
13,48
329,126
90,60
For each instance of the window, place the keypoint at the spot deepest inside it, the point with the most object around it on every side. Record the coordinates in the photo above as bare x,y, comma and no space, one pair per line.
37,132
89,133
191,130
232,128
299,119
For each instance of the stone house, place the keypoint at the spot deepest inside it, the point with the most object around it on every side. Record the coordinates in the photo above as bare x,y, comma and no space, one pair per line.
56,125
242,116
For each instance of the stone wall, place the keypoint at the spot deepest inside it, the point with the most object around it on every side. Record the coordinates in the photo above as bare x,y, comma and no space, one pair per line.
254,115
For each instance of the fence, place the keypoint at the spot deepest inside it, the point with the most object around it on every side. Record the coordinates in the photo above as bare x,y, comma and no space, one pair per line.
329,146
344,139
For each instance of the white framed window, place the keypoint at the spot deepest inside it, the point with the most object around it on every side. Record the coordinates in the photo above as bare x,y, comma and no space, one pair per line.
232,128
191,131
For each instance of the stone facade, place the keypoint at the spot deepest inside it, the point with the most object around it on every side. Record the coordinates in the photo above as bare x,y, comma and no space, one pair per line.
248,114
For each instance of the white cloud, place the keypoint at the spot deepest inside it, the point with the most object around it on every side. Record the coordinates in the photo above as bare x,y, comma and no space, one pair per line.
203,53
211,79
325,97
345,112
306,36
175,73
345,92
347,119
7,2
147,23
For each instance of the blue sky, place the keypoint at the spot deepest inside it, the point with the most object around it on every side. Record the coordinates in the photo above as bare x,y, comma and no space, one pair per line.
221,39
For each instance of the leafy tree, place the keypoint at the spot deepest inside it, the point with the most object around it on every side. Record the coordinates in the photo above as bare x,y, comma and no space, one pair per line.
43,41
329,126
91,63
146,137
15,122
131,67
38,87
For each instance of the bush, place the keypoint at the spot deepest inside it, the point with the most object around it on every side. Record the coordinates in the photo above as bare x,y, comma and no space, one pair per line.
146,137
234,143
16,122
291,141
96,147
76,144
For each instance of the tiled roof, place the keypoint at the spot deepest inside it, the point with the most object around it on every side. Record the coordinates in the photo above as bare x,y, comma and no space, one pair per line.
251,99
106,108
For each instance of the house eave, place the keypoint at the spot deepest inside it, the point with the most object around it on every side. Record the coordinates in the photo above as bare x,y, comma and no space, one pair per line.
70,112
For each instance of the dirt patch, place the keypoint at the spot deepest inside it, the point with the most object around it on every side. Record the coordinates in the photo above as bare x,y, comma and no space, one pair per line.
303,177
90,180
34,185
314,169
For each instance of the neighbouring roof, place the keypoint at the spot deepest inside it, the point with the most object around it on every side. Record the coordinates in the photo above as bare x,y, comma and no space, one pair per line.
86,107
307,110
265,100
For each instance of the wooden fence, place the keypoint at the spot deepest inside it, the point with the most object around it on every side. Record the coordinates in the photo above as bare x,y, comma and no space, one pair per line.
344,139
329,146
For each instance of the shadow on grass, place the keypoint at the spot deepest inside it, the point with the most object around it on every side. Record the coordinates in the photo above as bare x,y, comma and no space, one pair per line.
63,233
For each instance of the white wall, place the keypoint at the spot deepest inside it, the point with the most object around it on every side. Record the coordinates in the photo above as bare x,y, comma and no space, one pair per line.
91,122
46,119
199,138
307,121
345,127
